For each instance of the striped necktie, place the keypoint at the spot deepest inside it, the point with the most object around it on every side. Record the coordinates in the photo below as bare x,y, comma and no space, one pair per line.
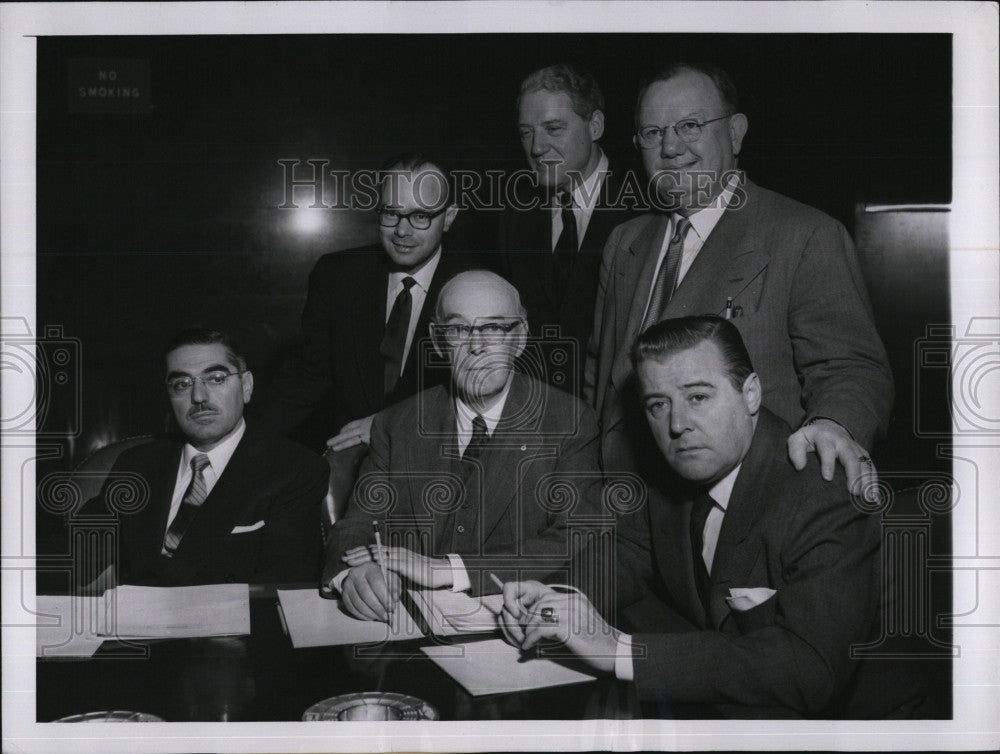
195,495
666,278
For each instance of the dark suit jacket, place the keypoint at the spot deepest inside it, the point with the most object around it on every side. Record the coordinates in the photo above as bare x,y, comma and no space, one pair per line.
514,515
525,239
805,317
267,479
343,322
785,530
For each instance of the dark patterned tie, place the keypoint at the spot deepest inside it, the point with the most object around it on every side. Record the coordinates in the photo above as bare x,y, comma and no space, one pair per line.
190,503
699,515
567,241
394,341
666,278
478,440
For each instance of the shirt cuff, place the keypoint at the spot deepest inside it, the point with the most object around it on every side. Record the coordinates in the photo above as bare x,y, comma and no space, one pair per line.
459,576
338,581
623,659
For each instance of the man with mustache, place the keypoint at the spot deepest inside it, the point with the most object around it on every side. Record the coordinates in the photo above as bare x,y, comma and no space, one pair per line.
486,475
223,502
786,275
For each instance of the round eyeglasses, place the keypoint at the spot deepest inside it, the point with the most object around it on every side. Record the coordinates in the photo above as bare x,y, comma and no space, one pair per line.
687,130
460,334
182,385
420,220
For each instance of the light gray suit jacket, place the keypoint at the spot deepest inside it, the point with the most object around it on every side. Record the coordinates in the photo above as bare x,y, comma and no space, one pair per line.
801,305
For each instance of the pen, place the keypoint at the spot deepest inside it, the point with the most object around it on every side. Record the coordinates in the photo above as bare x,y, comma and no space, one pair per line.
499,583
381,563
729,308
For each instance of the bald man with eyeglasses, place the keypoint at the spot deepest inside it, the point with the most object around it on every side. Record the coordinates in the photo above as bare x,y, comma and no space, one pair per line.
488,474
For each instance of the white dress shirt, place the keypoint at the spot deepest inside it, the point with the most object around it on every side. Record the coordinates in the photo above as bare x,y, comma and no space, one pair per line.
418,294
720,494
585,196
218,459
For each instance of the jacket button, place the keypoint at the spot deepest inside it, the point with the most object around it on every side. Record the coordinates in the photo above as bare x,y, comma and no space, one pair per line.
461,529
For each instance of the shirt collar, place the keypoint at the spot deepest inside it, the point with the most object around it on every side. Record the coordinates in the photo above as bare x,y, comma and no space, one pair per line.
423,276
219,455
585,195
723,489
464,414
704,220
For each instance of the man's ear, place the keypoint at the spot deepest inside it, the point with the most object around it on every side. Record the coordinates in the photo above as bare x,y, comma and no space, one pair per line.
522,339
751,393
449,216
596,125
738,125
247,380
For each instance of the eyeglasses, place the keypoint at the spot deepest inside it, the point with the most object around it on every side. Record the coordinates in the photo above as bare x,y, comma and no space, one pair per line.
457,335
389,218
687,130
178,386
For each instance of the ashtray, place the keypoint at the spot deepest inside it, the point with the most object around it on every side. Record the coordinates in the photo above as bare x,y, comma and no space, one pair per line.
111,716
371,705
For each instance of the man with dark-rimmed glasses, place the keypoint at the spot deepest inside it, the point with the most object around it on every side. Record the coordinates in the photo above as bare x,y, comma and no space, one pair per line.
222,501
486,475
786,275
366,311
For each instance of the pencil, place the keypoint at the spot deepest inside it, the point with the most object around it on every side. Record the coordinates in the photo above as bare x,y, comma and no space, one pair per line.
381,563
499,583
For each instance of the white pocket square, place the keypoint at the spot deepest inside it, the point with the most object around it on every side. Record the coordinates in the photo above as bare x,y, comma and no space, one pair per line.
742,599
245,529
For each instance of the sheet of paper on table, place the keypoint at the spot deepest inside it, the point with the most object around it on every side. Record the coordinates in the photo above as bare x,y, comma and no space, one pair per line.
67,626
495,667
316,622
179,612
451,613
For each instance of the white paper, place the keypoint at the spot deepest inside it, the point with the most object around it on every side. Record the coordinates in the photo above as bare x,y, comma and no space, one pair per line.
67,626
146,612
316,622
494,667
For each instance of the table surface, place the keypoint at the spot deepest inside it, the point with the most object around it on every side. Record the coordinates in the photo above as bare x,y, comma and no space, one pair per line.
261,677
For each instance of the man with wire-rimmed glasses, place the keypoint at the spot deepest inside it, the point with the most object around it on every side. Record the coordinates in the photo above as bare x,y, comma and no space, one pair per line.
484,476
222,501
786,274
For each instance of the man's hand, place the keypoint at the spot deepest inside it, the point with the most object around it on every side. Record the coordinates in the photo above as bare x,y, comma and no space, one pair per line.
419,569
533,612
833,443
353,433
366,595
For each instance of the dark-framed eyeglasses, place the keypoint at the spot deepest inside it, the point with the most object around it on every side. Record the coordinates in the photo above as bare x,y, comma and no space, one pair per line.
687,130
419,220
460,334
182,385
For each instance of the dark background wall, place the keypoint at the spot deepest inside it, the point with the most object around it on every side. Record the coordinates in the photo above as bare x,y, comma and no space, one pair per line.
149,222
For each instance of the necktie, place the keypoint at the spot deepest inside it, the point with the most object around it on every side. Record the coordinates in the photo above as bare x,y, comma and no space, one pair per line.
478,440
194,496
699,515
666,278
567,241
394,340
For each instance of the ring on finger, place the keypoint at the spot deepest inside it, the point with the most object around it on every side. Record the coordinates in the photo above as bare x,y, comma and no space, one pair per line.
548,616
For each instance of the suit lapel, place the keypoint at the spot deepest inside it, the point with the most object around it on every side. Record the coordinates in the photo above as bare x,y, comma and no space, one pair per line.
634,286
727,263
368,326
150,525
430,451
732,562
670,522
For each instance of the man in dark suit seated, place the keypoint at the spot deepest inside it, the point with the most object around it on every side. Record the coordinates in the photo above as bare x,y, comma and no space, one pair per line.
368,309
786,274
742,589
552,234
484,476
224,502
